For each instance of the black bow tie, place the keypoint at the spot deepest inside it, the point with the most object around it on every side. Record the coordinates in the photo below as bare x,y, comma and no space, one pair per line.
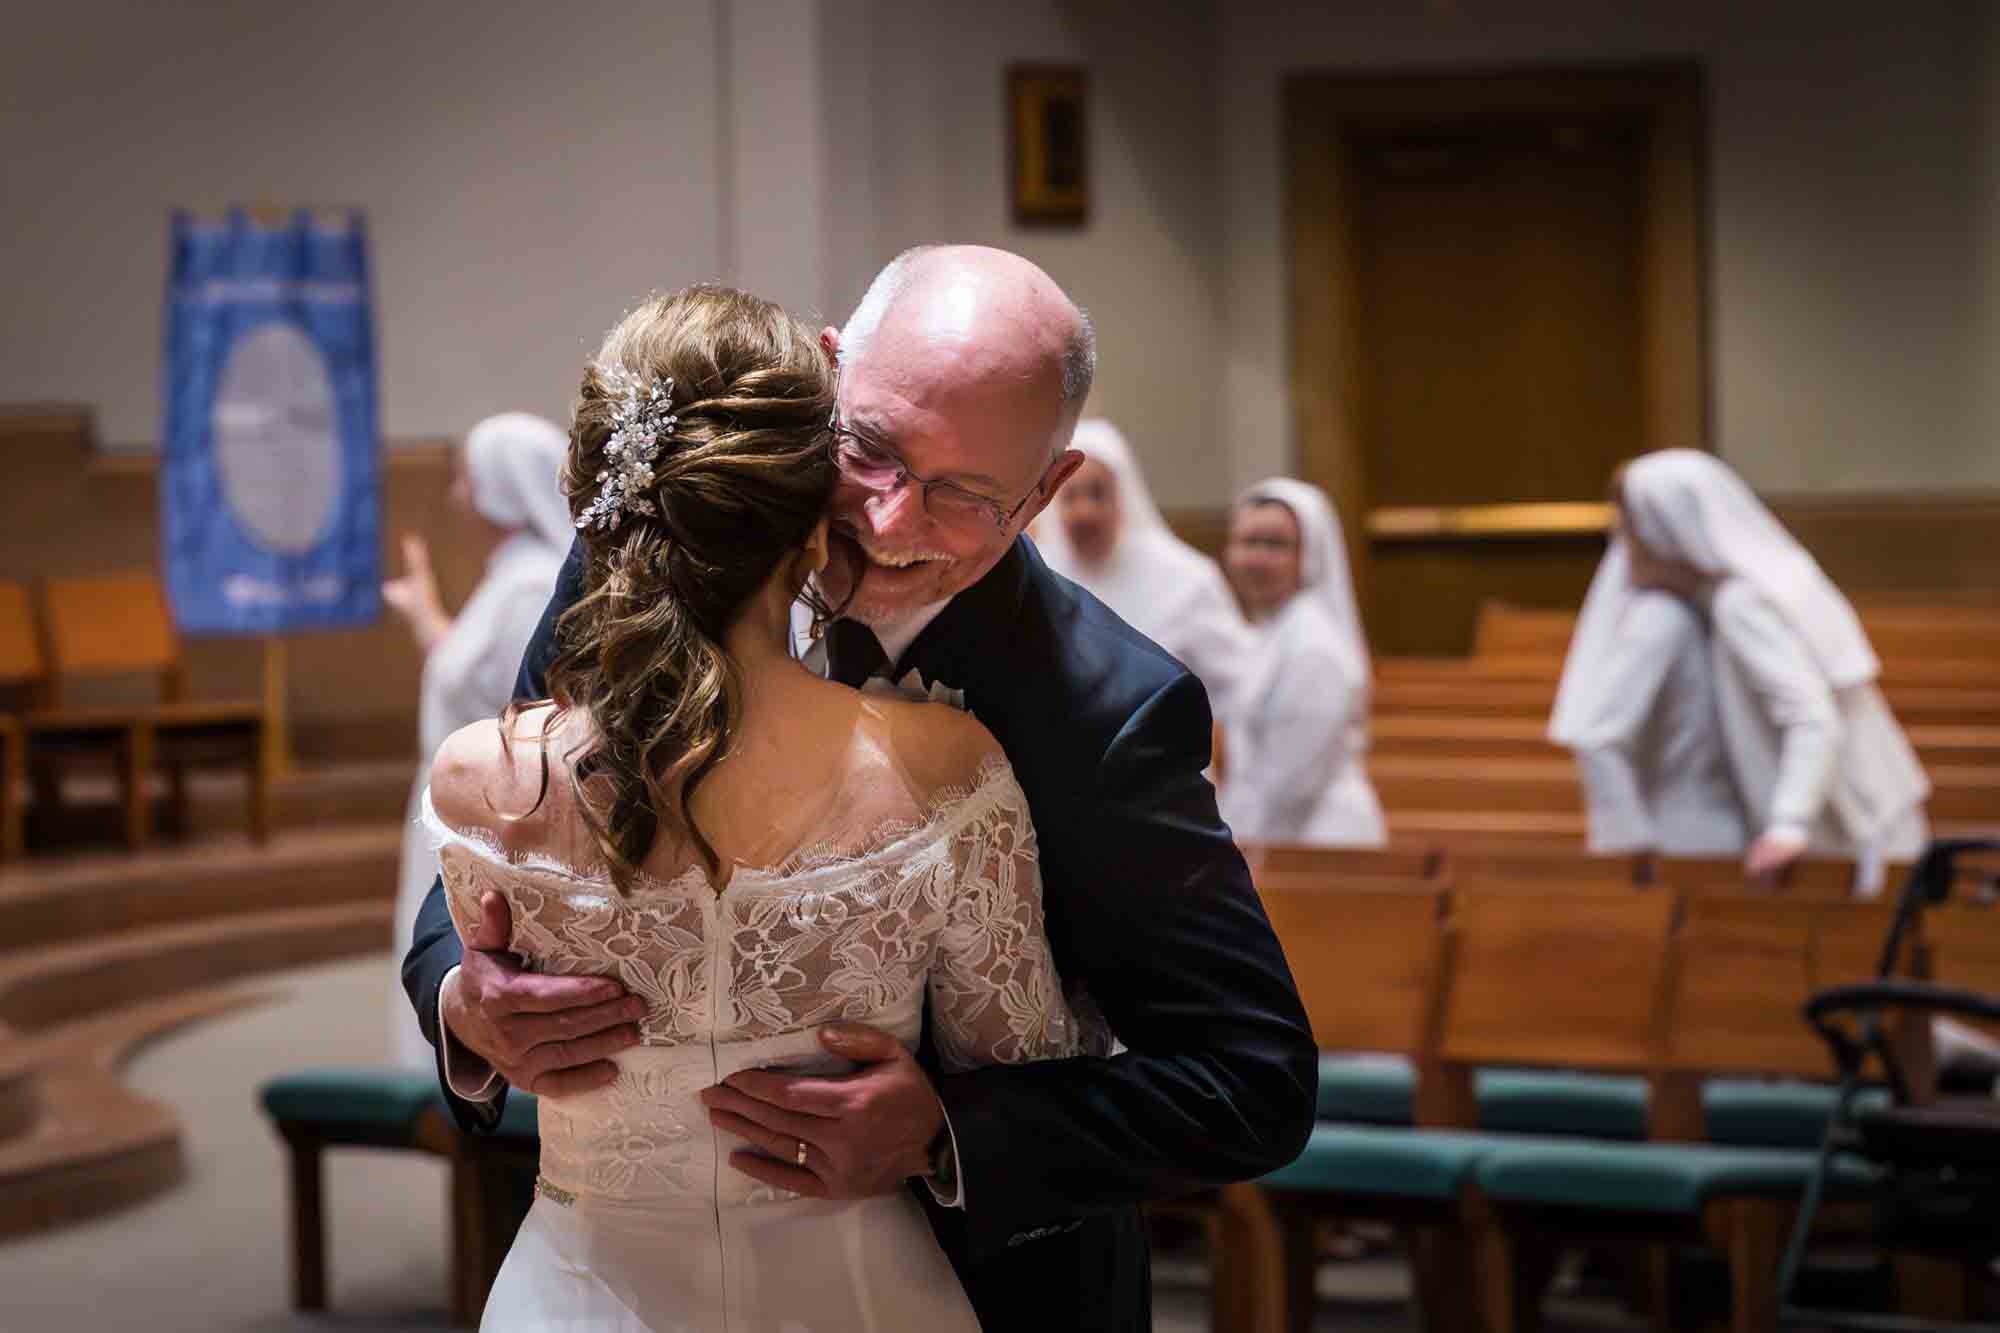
853,653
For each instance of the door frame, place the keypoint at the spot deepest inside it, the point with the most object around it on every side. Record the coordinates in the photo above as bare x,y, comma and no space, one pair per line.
1321,110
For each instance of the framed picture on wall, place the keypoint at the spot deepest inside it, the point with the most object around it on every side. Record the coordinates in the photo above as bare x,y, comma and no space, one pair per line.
1047,131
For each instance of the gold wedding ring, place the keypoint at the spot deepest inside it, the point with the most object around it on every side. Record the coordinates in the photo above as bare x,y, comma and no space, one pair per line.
800,1157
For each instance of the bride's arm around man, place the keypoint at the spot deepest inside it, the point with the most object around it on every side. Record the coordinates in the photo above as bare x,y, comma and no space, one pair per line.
962,374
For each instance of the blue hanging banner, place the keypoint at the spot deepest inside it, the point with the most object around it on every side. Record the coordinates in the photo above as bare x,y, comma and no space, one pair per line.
269,503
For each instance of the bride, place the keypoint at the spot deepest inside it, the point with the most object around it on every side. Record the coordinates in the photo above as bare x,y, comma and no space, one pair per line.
753,851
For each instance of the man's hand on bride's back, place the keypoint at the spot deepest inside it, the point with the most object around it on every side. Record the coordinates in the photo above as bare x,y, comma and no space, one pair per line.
552,1036
864,1133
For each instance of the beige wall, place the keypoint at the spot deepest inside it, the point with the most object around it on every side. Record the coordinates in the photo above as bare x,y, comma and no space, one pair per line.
527,171
1147,264
1843,141
527,174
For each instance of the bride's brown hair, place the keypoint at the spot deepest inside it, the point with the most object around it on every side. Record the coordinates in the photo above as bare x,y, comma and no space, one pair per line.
738,487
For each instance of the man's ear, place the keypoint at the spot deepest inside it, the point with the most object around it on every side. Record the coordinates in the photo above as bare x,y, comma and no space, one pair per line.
829,342
1059,472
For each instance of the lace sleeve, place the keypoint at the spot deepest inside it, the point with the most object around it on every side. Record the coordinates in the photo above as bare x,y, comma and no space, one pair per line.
994,993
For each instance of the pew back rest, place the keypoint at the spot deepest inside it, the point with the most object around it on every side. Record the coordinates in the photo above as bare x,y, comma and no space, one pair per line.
1743,969
1568,980
21,660
1366,960
1505,630
112,625
1337,865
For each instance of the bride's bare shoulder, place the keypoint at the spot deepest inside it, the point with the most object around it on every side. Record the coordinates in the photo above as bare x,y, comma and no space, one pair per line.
478,783
938,745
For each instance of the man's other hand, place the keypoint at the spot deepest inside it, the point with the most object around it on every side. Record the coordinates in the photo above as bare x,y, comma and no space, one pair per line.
552,1036
864,1133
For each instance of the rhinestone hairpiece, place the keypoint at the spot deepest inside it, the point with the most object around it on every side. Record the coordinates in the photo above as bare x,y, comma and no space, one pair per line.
643,418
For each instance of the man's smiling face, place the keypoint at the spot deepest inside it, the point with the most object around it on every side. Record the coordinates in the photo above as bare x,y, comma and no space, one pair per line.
962,382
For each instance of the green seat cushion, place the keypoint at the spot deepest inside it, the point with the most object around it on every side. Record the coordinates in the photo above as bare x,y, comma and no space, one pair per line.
1773,1113
371,1098
1373,1160
1645,1177
1381,1090
518,1118
1536,1101
1370,1089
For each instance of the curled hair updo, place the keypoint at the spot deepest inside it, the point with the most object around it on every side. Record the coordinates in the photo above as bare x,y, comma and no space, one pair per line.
738,486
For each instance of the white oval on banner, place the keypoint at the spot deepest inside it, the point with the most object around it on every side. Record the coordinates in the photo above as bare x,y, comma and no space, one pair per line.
274,438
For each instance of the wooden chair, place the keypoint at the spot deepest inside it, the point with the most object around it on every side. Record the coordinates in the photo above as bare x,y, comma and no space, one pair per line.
21,672
118,626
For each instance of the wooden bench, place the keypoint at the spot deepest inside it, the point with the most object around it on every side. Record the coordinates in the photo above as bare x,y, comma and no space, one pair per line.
118,626
21,672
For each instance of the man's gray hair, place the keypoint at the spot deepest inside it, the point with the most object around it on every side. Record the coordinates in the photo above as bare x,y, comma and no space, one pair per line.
1079,358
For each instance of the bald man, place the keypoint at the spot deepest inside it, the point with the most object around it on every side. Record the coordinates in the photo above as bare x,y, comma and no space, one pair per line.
962,374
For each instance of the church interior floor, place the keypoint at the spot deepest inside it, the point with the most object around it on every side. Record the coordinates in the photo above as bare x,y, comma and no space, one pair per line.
211,1253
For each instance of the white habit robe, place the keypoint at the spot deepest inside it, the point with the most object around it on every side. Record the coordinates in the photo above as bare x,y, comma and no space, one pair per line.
1157,583
1297,734
1810,745
514,463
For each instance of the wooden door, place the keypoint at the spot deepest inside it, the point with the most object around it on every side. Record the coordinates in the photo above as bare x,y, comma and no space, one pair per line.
1496,301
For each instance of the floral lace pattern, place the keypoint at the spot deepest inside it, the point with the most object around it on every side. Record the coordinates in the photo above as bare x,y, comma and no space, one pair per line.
947,910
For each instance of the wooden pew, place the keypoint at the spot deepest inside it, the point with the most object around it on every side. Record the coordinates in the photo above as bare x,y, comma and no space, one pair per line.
1551,869
1905,637
1337,867
118,626
1433,736
1368,963
1570,981
21,671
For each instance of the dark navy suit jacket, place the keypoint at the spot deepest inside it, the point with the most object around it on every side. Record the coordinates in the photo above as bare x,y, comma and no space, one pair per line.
1149,906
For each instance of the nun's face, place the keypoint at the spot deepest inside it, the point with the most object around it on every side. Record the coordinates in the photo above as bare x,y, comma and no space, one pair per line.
459,496
1088,507
1262,559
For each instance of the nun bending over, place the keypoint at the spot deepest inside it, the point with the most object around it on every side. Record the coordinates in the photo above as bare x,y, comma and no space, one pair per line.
1296,735
1720,694
508,477
1110,539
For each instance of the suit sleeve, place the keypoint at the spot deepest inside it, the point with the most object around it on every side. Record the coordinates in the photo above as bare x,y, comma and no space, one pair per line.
434,947
1219,1073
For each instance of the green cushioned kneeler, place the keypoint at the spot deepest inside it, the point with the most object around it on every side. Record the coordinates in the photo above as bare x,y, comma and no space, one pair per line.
1535,1101
1381,1090
383,1099
1645,1177
1368,1159
1773,1113
1370,1089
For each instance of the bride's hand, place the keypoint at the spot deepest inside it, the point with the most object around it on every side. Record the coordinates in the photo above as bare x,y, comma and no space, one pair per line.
864,1133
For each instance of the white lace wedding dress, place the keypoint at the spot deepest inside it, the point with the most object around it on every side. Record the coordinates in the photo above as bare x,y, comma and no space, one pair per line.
640,1223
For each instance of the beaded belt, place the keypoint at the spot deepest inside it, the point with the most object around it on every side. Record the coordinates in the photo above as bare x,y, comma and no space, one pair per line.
552,1191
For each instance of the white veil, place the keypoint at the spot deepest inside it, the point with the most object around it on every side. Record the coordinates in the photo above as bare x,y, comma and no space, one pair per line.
514,461
1690,507
1323,571
1150,577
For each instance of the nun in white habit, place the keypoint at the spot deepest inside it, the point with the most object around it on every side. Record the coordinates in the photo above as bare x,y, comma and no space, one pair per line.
1296,738
1720,692
1109,537
507,475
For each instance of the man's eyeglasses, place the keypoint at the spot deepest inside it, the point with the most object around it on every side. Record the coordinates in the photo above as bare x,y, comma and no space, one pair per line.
874,465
